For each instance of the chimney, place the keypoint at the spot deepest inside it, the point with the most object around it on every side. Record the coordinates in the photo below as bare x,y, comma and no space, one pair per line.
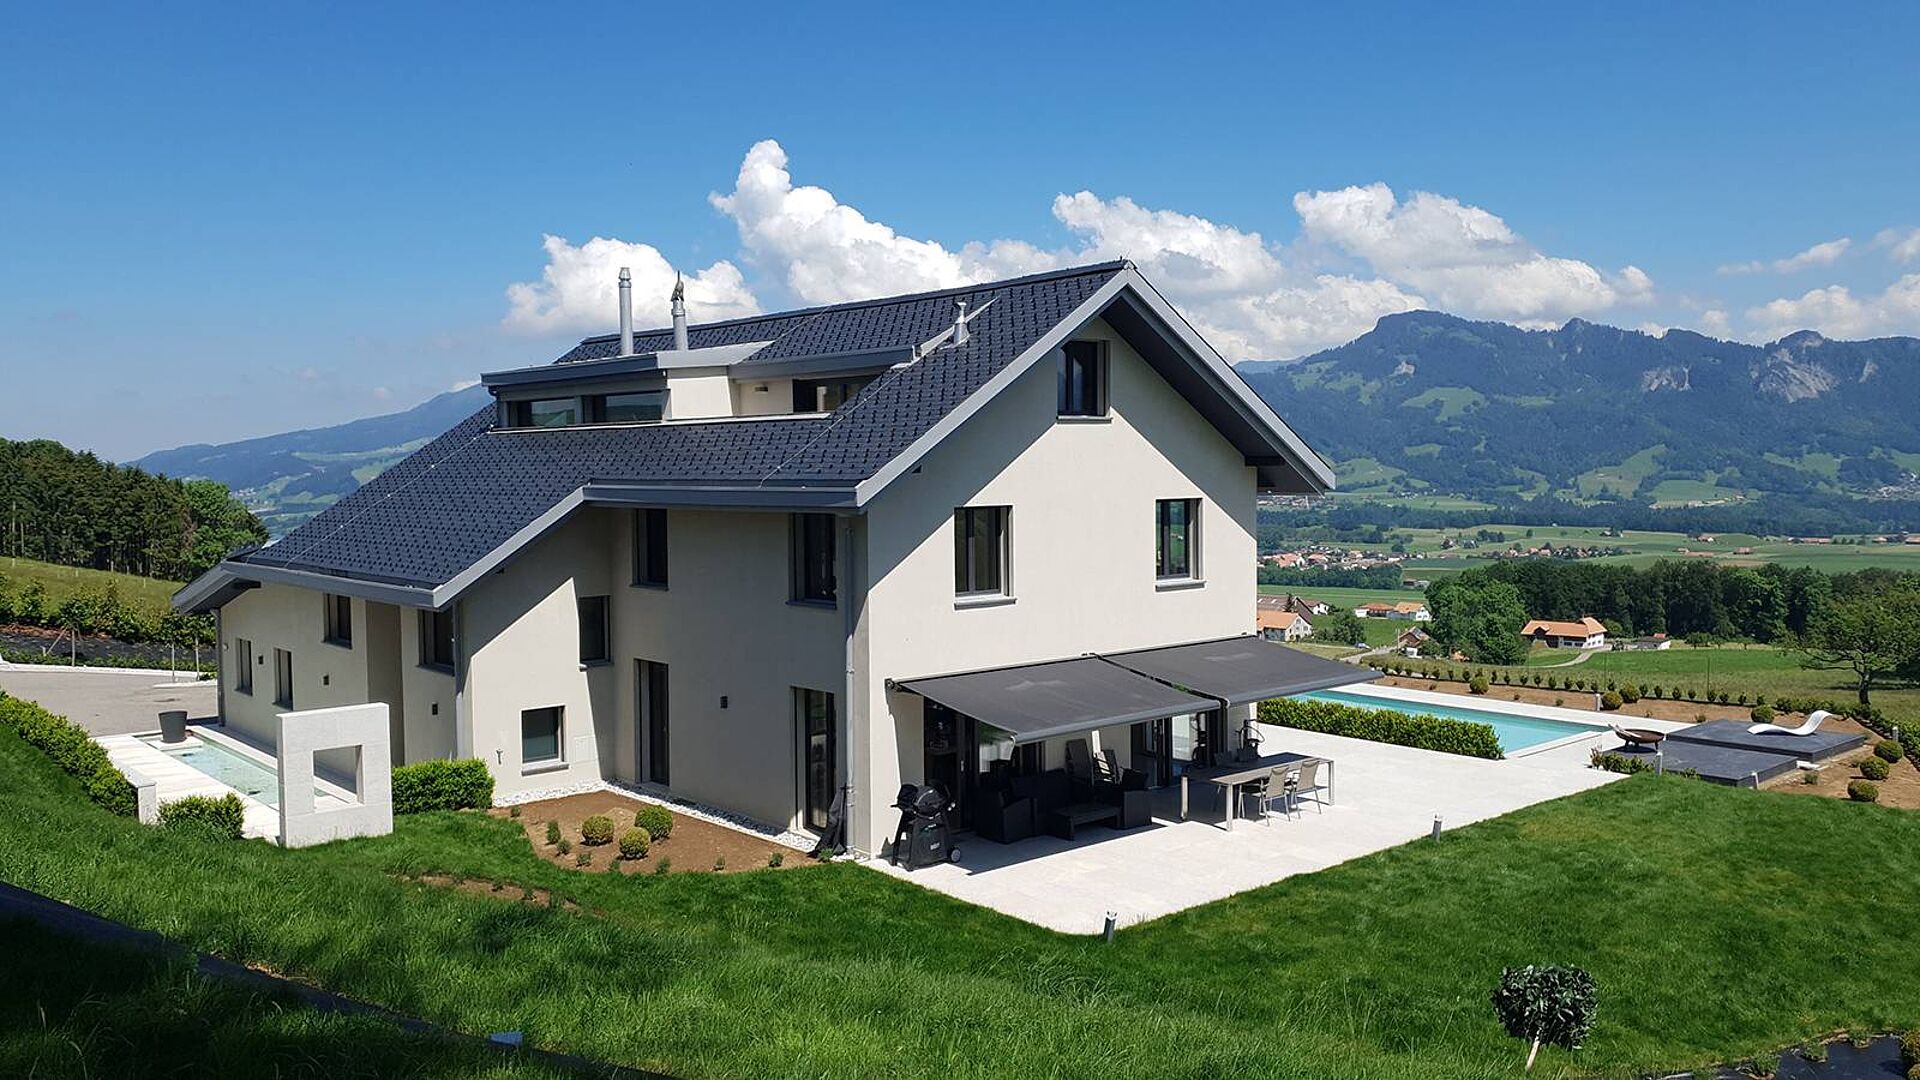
679,313
960,324
626,312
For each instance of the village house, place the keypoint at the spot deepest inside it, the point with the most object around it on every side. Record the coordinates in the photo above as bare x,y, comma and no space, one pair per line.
1587,633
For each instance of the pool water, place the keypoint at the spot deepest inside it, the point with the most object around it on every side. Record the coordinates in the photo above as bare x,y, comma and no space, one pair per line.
1514,732
242,774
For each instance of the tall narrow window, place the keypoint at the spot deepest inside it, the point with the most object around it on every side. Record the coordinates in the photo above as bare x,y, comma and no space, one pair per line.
1083,379
283,678
813,558
339,620
980,550
243,665
652,679
650,548
540,735
436,639
595,632
1176,530
814,718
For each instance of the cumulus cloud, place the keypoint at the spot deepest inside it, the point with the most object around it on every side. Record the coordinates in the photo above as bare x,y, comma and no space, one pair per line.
1822,254
1901,244
1837,312
580,288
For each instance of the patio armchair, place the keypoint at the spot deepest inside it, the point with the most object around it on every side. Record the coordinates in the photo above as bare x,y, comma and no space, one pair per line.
1004,817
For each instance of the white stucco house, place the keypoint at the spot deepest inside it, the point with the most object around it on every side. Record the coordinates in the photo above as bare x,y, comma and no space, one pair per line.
759,563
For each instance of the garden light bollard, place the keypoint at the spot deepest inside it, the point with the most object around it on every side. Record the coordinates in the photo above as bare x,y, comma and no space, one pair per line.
1436,826
1107,932
1659,760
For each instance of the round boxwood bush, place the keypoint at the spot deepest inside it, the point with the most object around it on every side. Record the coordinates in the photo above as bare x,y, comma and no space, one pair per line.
1610,700
1874,769
634,843
1863,791
205,815
1888,750
1477,685
596,830
656,819
1761,714
1629,694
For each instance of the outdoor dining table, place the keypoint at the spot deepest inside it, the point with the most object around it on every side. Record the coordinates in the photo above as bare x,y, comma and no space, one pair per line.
1234,773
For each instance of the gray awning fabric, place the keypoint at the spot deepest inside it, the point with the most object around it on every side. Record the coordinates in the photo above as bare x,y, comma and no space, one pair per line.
1039,701
1240,670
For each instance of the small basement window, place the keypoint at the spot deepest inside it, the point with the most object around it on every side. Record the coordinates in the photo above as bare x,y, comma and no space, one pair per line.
540,735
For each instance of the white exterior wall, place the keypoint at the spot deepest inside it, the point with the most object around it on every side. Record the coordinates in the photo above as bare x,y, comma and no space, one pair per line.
775,400
324,675
427,695
698,392
1082,540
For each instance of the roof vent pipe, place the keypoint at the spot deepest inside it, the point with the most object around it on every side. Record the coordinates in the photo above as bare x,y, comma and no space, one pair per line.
626,312
679,313
960,324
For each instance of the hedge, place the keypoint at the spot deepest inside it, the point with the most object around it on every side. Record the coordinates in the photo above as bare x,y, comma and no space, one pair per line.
1384,725
223,817
72,749
442,785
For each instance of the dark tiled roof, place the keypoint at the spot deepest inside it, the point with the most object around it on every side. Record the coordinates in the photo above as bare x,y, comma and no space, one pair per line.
461,496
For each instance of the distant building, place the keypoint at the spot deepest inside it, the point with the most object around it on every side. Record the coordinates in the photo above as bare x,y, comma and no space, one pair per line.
1587,633
1375,610
1412,640
1651,643
1412,611
1283,625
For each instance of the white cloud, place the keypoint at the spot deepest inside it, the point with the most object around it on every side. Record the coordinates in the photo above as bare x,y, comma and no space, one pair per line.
462,384
1902,244
1822,254
1836,312
579,290
1715,323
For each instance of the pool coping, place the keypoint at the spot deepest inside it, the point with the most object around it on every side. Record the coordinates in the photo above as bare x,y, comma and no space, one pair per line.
129,749
1598,723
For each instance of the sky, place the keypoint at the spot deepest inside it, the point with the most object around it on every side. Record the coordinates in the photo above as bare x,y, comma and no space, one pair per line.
225,221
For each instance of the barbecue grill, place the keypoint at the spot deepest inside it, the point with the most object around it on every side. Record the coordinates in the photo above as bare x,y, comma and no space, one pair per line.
925,835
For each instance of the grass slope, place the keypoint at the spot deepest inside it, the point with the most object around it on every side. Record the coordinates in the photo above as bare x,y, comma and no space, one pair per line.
63,581
1760,904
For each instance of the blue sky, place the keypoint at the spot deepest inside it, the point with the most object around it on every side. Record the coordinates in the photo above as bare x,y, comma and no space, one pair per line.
221,222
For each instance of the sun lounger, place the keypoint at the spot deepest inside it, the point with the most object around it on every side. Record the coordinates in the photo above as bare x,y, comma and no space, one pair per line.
1812,724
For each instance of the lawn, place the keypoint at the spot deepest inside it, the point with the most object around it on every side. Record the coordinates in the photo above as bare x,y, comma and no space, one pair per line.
63,581
1773,918
1754,670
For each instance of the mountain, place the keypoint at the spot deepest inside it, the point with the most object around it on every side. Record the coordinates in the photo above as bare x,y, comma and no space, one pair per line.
1430,402
286,479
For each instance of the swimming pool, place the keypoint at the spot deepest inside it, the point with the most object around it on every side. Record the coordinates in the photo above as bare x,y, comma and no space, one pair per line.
242,774
1514,732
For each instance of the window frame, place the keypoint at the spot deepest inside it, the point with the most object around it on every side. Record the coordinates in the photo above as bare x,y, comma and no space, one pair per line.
243,665
559,758
427,622
335,633
1163,534
804,585
583,607
283,678
649,548
593,407
653,704
967,574
804,697
1098,408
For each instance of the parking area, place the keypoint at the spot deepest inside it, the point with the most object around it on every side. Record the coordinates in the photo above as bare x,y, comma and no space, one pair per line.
109,703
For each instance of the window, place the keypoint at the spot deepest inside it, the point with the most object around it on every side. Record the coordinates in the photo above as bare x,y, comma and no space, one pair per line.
243,665
1176,525
436,639
652,679
540,735
1083,379
545,412
339,620
650,548
813,556
980,551
639,406
826,395
283,678
813,717
594,630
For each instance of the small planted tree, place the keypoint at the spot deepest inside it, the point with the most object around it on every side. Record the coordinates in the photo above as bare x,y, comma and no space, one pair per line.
1545,1004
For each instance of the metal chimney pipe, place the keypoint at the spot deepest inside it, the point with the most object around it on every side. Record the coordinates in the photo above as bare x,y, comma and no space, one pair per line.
960,324
626,312
679,313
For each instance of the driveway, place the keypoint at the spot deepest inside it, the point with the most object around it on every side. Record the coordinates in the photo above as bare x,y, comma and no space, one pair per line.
109,704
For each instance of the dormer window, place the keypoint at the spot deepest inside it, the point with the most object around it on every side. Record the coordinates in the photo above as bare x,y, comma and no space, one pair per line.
638,407
544,412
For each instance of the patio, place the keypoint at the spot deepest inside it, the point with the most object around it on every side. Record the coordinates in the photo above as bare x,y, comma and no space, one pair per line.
1388,795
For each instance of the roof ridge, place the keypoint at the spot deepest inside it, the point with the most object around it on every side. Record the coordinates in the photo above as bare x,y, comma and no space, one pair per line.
903,298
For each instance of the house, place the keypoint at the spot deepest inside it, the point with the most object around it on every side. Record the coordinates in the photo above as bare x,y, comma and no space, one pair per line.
1282,625
1411,610
1651,643
1374,610
1587,633
782,565
1411,641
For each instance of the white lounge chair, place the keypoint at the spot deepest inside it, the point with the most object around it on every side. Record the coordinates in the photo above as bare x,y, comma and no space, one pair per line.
1812,724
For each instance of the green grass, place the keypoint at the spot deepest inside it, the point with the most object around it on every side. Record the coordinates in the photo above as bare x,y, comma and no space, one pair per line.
1453,400
1379,967
64,581
78,1009
1754,670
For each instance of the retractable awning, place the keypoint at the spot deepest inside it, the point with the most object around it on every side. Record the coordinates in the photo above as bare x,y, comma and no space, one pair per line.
1060,697
1240,670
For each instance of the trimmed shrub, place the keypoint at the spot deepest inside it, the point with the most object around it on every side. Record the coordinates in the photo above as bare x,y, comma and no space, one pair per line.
1629,694
553,832
1620,763
73,750
565,846
1547,1004
221,818
665,864
442,785
585,858
1761,714
596,830
776,859
1863,791
634,843
1384,725
1610,700
656,819
1888,750
1478,684
1874,769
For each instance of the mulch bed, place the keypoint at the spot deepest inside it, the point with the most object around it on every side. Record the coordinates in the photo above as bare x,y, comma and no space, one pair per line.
695,846
1901,788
